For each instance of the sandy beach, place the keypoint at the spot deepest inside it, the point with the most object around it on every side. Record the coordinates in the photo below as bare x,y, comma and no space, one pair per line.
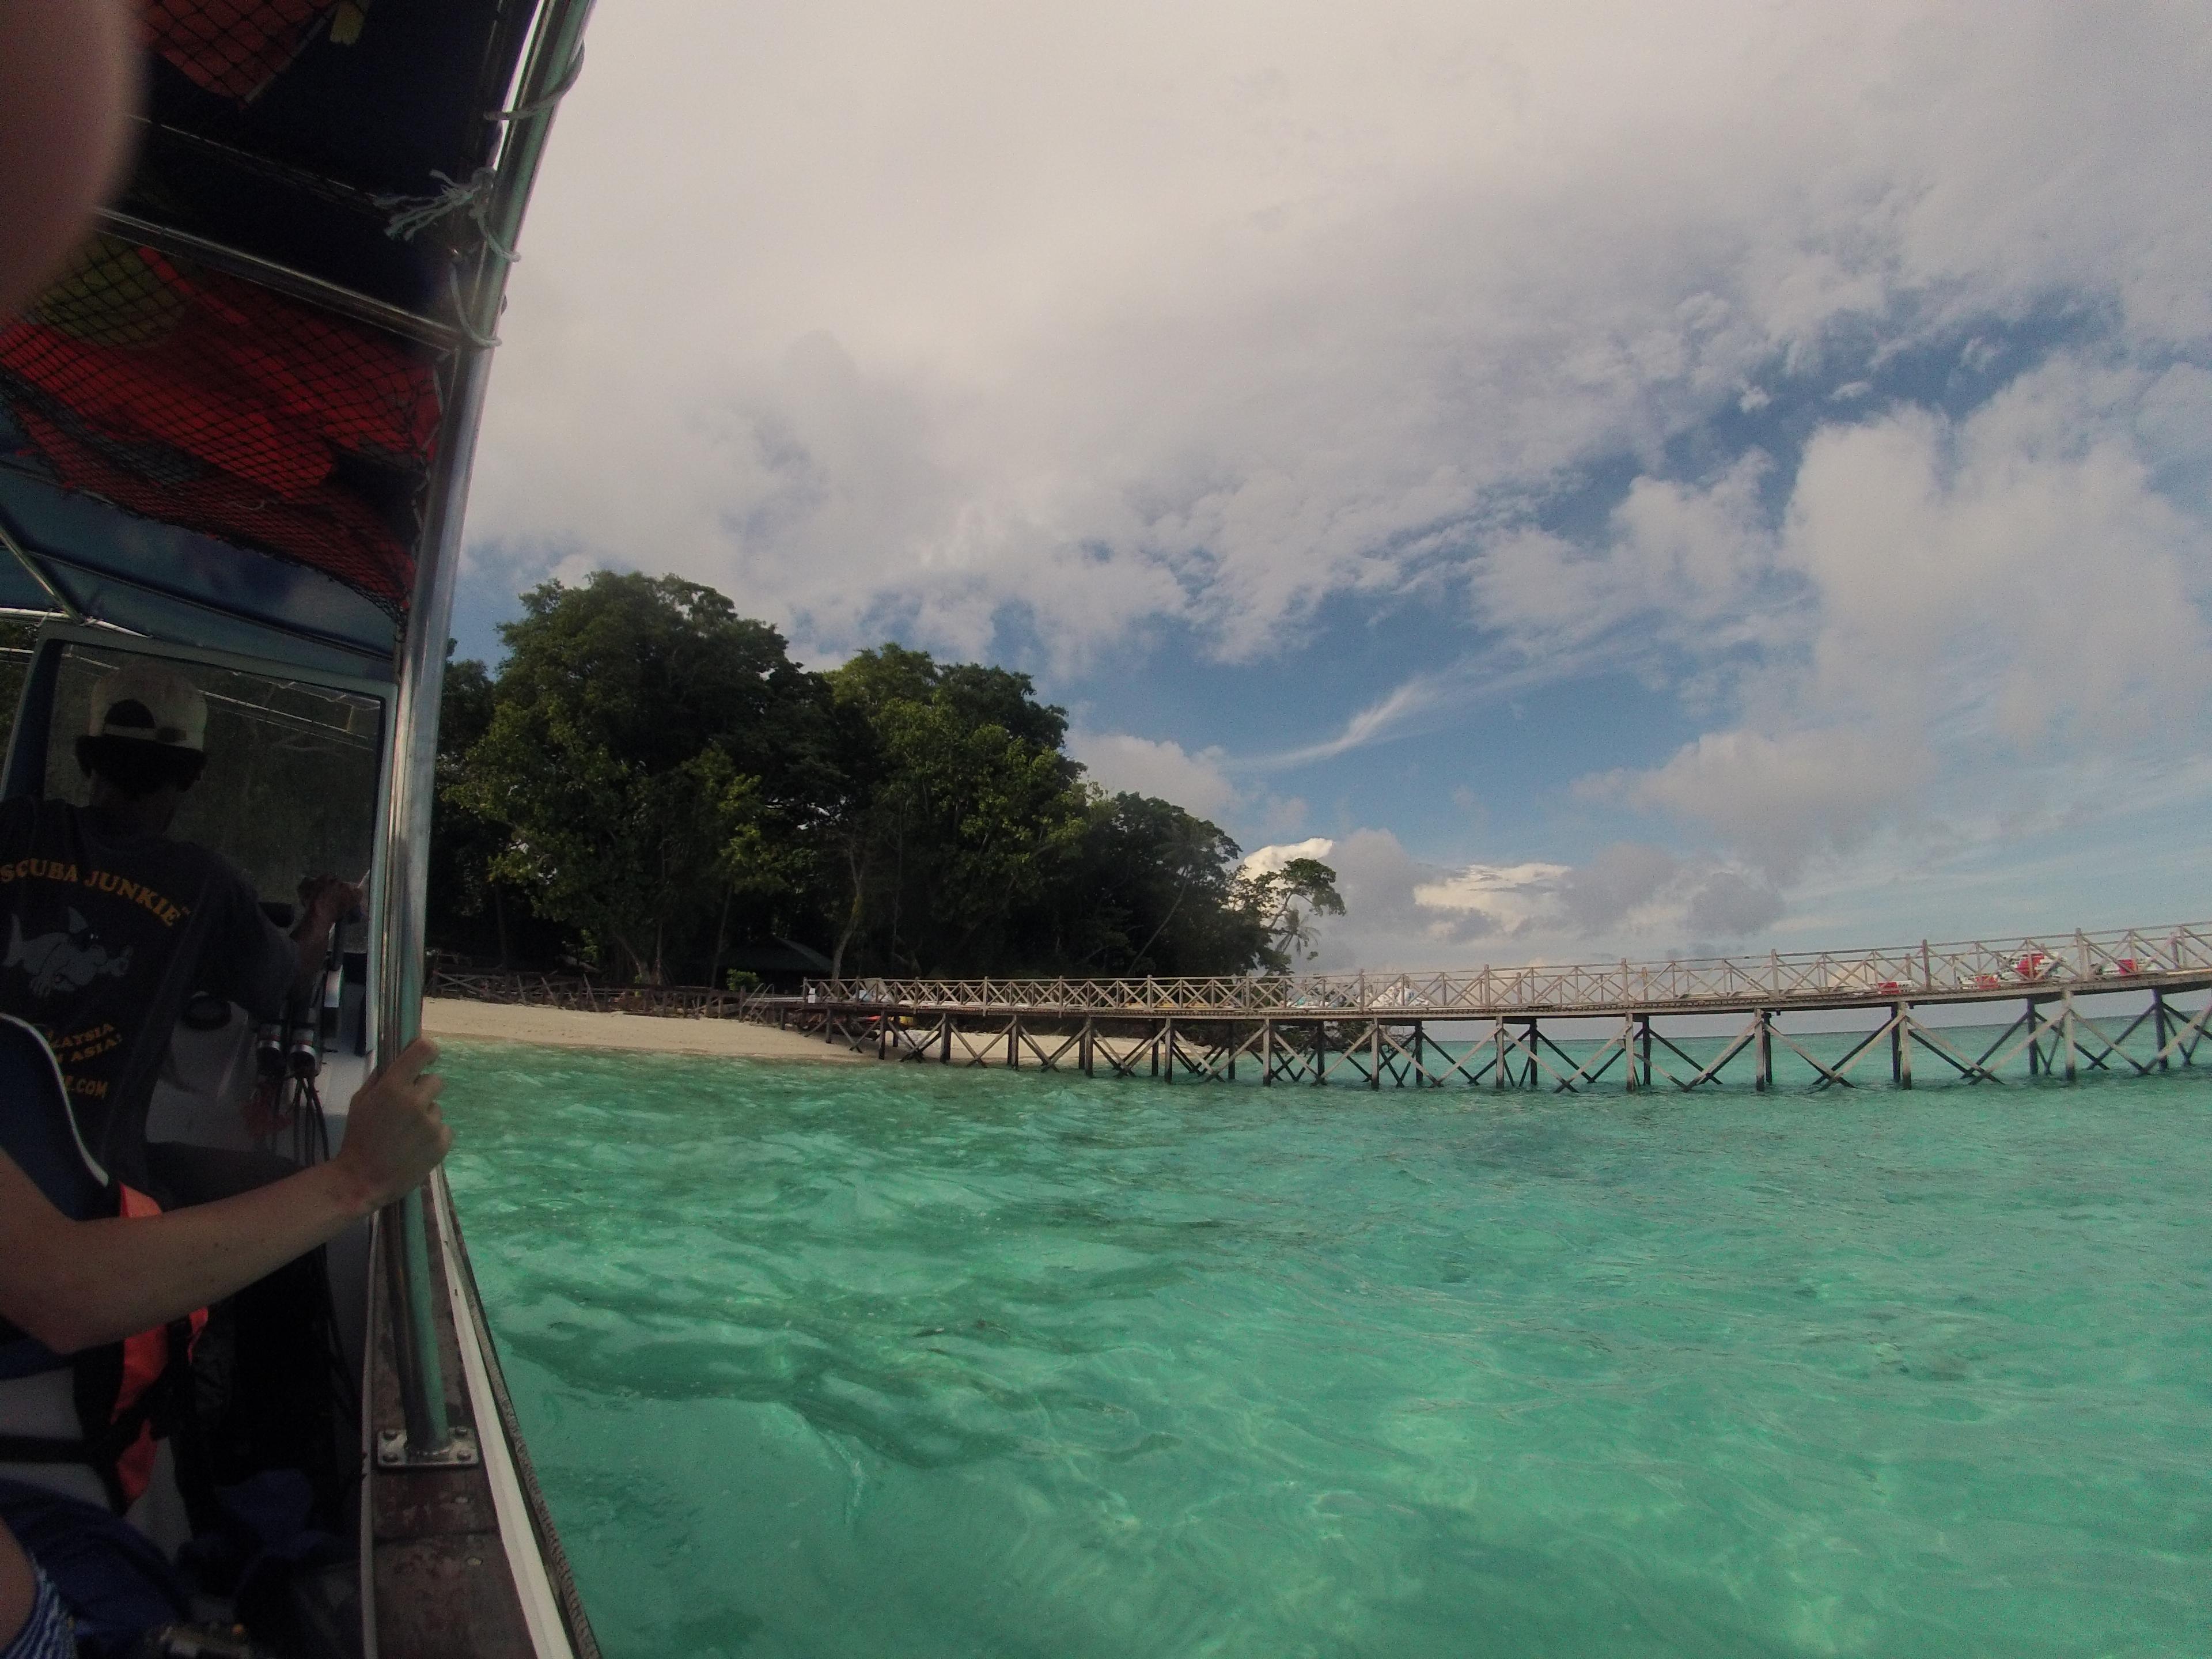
562,1028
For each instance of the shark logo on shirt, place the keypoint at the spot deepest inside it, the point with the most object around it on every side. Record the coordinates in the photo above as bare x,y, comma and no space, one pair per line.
58,961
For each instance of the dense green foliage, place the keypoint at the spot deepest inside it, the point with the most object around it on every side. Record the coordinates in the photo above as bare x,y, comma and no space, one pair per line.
649,785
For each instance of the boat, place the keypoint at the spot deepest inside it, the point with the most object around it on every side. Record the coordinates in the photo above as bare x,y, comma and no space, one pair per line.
235,438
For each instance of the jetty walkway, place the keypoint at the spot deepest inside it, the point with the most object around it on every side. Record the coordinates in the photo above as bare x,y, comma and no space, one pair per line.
1486,1027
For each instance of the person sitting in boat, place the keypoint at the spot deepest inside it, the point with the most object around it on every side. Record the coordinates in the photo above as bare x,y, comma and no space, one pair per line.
74,1284
108,924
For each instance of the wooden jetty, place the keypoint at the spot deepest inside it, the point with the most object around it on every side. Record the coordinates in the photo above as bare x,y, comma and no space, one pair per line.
1487,1028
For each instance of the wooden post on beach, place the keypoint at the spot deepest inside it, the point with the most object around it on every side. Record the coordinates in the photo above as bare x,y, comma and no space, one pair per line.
1647,1051
1014,1042
2034,1041
1167,1047
1900,1046
2157,1015
945,1040
1764,1078
2066,1027
1083,1047
1266,1053
1375,1054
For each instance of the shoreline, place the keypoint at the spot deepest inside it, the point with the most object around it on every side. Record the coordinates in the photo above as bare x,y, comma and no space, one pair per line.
568,1028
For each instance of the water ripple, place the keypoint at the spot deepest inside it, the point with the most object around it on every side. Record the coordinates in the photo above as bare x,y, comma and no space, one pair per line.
871,1362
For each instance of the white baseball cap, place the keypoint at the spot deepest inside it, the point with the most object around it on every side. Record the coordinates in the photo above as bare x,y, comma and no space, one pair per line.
149,703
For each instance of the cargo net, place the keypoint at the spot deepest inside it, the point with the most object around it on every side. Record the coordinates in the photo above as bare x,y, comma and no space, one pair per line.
206,403
235,48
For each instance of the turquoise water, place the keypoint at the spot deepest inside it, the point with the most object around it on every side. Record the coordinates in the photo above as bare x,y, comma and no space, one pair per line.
890,1361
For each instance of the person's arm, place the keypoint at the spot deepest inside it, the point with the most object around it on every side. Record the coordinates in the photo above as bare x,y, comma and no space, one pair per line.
326,901
76,1284
68,77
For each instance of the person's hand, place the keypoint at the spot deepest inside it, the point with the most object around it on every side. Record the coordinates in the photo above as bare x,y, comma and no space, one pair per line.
325,900
394,1136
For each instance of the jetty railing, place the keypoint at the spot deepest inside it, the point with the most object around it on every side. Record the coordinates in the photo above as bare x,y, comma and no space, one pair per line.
1964,970
1370,1028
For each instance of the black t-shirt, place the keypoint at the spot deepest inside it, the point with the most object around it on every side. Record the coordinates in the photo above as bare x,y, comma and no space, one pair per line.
103,935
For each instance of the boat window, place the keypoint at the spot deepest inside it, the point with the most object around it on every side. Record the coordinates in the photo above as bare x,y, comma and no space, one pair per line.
290,785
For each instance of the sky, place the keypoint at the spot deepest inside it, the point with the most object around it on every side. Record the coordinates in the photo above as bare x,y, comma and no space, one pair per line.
1612,480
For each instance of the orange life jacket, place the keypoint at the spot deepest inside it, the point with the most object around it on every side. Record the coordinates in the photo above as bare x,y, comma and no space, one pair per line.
128,1394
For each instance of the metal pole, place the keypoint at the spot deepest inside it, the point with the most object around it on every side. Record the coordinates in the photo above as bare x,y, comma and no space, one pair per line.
420,679
38,574
421,674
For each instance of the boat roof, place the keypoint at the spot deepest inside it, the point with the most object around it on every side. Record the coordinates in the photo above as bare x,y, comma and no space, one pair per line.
223,425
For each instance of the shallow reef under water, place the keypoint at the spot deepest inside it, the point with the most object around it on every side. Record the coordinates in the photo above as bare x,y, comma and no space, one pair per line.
873,1361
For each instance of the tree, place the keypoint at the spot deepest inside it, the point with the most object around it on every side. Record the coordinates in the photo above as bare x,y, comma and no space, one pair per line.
650,775
961,810
1153,892
1274,900
463,843
628,754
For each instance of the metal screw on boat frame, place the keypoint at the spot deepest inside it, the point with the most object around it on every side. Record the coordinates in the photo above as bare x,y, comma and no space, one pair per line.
459,1452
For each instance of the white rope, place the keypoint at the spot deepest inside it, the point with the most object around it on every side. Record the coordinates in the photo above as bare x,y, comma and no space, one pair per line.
482,342
418,213
535,106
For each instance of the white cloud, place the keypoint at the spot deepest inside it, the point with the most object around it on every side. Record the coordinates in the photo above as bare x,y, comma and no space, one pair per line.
1147,766
1995,602
1403,912
1780,800
1685,561
1266,860
2016,570
987,324
868,313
